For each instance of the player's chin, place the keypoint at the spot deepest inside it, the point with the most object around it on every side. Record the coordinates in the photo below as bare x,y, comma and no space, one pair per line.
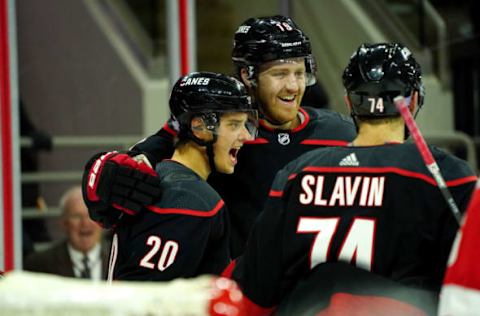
226,170
286,115
227,167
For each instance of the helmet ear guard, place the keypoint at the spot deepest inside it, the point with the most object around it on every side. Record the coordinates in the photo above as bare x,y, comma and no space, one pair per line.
251,71
209,122
201,126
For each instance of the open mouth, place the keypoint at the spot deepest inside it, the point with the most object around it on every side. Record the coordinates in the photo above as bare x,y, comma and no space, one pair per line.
287,99
233,154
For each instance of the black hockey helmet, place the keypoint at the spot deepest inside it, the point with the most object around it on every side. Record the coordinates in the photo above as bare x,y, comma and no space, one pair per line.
376,74
265,39
208,95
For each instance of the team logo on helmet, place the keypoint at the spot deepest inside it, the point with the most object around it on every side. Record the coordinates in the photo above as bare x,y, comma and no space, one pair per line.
243,29
199,81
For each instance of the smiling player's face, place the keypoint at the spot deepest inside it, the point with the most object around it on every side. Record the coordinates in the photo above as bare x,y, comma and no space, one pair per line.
231,134
280,88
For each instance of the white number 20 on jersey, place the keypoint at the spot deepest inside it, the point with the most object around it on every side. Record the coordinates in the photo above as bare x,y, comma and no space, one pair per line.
376,105
168,252
357,245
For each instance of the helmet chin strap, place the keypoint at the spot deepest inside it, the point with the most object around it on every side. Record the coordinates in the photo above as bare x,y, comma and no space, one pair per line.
211,158
209,146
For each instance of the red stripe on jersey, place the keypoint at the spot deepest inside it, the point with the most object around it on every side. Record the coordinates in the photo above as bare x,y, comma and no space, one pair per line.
169,130
257,141
403,172
293,175
182,211
304,123
274,193
126,210
296,129
264,125
324,142
461,181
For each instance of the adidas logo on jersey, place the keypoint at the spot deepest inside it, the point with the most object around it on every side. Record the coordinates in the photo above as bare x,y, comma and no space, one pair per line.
350,160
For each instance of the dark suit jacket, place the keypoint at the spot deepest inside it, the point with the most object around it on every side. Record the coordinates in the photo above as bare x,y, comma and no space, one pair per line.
56,260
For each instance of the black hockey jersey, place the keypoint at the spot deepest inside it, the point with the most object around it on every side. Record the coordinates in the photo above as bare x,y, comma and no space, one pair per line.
246,190
184,235
377,208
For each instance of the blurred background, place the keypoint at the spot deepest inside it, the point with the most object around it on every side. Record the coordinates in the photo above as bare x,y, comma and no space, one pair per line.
95,74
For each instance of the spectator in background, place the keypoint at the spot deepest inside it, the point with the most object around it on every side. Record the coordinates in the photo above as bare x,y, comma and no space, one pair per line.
33,230
82,254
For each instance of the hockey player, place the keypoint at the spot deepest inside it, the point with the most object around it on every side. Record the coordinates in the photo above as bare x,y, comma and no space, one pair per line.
185,233
373,204
461,288
273,58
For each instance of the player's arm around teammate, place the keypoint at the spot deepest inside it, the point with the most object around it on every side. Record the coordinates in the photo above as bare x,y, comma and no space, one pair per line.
185,233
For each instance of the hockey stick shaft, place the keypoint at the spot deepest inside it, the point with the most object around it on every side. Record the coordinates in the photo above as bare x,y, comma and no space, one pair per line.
427,156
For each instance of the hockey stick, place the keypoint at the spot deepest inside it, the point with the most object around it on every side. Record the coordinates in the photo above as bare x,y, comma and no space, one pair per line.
427,156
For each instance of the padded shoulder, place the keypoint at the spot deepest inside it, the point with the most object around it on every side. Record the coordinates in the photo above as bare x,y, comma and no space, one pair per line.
184,192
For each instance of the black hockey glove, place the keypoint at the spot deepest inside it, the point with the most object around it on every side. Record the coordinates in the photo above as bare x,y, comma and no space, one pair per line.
120,181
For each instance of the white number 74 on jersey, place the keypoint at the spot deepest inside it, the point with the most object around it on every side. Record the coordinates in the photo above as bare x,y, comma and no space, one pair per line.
357,245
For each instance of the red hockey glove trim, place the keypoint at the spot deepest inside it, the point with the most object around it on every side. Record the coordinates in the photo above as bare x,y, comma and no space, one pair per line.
93,176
